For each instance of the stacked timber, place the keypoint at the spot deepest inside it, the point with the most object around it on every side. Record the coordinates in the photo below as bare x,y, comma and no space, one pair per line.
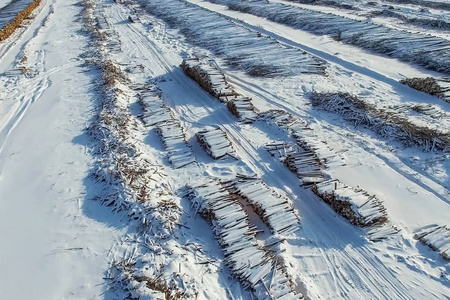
306,165
215,143
254,266
439,87
209,77
354,204
242,108
303,163
280,118
154,109
437,238
274,210
172,135
382,231
280,150
212,80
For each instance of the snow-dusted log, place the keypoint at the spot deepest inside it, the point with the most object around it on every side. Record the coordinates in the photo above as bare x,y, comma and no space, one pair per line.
239,47
303,163
215,142
390,124
242,108
208,76
172,135
439,87
275,210
437,238
249,262
155,111
354,204
212,80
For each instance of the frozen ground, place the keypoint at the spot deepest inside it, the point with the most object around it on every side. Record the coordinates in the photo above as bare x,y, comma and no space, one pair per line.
95,109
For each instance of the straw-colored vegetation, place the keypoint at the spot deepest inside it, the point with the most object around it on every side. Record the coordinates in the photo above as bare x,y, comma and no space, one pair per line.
9,28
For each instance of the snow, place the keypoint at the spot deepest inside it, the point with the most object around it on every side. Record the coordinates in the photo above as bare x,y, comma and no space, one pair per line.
107,193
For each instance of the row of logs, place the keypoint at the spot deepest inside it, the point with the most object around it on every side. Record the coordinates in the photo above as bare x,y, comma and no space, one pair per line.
9,28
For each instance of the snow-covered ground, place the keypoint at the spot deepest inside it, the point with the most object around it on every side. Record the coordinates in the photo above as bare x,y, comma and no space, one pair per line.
95,109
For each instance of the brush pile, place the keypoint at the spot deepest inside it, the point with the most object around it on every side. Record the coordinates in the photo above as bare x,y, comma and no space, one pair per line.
388,124
354,204
9,28
174,139
437,238
212,80
433,86
215,143
275,210
254,266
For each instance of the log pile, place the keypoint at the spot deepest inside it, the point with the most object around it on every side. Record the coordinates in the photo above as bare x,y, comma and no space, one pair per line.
242,108
250,263
274,210
9,28
437,238
208,77
303,163
212,80
155,111
238,46
280,150
390,124
354,204
439,87
172,135
280,118
428,51
382,232
306,165
215,143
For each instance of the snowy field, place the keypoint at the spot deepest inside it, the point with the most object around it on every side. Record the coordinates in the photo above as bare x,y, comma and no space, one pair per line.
219,149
